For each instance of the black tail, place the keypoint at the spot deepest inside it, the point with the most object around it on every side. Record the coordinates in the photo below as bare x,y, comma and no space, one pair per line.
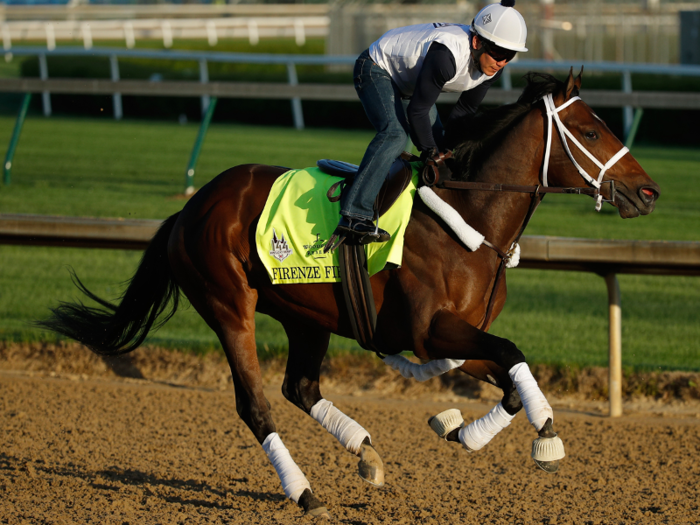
120,329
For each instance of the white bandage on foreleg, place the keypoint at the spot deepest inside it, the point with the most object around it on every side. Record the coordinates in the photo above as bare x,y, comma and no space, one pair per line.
346,430
478,433
534,402
409,369
293,480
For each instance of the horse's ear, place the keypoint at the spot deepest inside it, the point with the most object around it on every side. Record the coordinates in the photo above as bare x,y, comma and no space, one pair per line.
577,82
573,85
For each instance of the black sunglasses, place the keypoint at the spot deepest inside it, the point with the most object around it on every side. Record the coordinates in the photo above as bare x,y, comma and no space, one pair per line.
498,53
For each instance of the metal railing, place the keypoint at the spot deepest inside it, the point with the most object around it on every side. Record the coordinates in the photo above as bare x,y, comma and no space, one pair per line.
606,258
291,61
295,92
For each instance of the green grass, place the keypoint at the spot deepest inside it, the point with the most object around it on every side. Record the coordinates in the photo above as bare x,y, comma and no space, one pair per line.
135,169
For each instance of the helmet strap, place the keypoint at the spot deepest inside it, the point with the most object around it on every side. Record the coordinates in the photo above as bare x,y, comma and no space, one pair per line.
476,53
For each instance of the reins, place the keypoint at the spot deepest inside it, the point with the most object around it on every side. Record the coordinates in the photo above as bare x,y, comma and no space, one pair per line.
516,188
431,177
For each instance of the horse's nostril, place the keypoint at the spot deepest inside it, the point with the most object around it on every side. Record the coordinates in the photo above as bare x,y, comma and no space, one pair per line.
648,195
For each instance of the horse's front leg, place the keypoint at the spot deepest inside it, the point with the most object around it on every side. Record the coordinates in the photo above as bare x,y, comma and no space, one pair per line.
453,338
450,424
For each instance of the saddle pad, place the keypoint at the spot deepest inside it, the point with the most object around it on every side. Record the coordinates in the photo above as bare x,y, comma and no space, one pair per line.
298,219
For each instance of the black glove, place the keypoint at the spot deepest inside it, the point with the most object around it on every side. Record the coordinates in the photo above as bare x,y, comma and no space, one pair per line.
433,161
434,157
428,154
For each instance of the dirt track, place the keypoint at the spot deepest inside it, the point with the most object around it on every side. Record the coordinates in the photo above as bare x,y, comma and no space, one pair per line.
109,450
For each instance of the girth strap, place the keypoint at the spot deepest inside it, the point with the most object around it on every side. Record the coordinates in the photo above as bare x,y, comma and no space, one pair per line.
534,202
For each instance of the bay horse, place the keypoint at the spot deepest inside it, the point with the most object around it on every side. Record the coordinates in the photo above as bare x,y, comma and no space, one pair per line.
431,305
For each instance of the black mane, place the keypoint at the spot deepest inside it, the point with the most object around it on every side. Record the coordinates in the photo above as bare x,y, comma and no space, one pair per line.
474,139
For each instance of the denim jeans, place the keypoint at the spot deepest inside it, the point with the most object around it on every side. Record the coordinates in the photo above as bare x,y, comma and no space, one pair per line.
386,110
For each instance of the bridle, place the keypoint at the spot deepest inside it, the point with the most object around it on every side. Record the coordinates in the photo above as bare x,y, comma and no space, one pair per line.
553,114
431,177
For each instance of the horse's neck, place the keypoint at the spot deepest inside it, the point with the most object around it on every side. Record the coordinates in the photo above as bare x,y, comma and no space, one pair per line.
499,216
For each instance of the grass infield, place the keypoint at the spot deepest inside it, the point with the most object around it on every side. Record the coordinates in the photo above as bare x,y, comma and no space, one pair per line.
135,169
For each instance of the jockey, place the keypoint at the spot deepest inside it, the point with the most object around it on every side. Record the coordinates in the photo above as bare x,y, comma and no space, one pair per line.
398,80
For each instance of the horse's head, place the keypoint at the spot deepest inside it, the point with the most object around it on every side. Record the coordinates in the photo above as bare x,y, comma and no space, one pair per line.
584,152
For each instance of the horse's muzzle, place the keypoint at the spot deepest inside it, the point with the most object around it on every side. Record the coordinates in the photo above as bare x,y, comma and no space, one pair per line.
638,201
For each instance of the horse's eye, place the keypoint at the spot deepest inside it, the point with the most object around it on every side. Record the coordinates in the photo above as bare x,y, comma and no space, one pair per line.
591,135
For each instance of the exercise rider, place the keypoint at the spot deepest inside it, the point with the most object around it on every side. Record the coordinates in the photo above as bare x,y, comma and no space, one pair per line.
398,80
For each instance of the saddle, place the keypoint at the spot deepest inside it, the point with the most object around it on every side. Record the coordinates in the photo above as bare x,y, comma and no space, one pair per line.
396,181
354,276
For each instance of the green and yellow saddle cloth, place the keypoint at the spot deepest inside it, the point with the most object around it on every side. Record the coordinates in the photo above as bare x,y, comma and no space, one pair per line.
298,219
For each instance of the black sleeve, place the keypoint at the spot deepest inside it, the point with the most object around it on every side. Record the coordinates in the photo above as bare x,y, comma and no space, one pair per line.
469,101
438,68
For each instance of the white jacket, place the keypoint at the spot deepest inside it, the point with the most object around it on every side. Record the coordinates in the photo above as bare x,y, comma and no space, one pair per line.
401,51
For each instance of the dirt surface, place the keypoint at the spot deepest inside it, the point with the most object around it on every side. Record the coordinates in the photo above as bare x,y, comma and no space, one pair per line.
81,444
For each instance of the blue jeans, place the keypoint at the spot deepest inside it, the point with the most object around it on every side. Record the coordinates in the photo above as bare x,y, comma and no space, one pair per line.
386,110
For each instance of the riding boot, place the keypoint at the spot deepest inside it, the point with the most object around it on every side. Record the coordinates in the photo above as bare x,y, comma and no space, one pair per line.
355,231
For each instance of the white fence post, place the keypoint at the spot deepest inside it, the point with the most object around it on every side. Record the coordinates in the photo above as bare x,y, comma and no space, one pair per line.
50,36
615,345
296,101
117,97
44,75
253,33
299,32
129,36
204,79
506,82
627,111
6,37
212,36
167,34
87,35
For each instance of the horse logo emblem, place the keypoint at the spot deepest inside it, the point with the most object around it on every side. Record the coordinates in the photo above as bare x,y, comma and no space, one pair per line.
280,248
486,19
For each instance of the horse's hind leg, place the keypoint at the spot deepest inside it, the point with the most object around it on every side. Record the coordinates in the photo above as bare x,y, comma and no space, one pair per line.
229,309
307,348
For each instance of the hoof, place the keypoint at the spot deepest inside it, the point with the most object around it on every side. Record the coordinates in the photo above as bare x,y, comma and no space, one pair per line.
370,468
548,466
312,506
547,451
446,422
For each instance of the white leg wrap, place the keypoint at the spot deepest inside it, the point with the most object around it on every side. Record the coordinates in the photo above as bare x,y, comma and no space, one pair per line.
534,402
478,433
409,369
293,480
346,430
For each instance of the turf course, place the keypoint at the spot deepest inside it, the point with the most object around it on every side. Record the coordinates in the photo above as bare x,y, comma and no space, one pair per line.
136,169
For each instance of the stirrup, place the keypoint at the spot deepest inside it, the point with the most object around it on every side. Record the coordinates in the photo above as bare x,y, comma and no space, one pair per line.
333,243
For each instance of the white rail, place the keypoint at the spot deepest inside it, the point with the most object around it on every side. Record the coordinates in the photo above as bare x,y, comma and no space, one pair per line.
625,98
165,29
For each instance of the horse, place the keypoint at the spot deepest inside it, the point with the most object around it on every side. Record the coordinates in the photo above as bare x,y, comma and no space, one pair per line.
438,304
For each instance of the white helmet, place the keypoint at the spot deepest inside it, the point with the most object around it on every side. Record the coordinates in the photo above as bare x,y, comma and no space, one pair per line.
502,25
